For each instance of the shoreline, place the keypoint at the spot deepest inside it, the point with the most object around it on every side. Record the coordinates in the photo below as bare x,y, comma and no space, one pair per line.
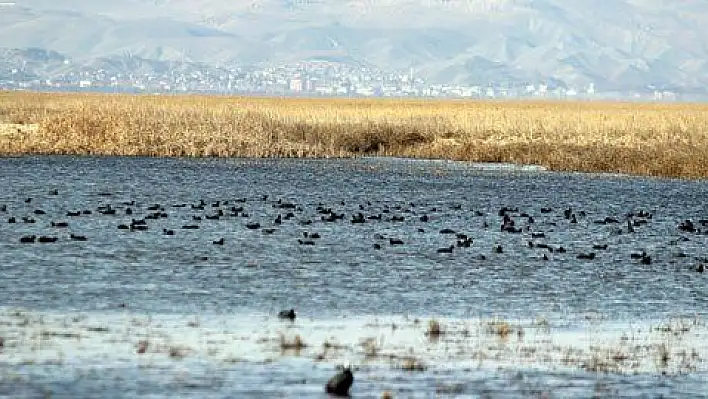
611,347
658,140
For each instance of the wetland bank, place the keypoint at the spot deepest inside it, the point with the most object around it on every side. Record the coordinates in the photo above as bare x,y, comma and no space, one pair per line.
148,244
668,140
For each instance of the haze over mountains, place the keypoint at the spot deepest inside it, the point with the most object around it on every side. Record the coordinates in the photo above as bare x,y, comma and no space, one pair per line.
615,44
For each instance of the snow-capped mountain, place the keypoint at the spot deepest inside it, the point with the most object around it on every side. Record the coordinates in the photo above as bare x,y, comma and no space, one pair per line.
615,44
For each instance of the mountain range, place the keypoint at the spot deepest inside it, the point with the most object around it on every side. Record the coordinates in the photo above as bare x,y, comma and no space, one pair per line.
614,44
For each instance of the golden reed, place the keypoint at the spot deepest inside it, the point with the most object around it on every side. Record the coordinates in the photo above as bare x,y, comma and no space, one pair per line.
645,139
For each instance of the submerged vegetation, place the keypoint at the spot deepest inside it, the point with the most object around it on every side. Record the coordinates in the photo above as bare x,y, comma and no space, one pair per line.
646,139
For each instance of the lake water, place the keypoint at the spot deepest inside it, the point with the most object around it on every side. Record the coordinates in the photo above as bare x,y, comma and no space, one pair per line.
518,315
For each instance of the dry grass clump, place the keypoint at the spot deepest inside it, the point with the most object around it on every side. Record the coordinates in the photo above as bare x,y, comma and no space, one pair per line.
434,329
412,364
499,328
646,139
295,344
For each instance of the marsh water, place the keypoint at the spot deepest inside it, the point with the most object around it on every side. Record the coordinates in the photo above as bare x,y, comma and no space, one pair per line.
595,291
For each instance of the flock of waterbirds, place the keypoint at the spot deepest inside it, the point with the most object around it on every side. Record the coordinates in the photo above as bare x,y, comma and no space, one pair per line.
132,217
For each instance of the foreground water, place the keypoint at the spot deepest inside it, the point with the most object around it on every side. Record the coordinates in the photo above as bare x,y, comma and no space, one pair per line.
136,311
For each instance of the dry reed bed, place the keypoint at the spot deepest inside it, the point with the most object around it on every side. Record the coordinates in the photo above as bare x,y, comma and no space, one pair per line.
645,139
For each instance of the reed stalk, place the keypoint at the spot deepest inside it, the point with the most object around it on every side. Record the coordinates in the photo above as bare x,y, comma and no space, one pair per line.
668,140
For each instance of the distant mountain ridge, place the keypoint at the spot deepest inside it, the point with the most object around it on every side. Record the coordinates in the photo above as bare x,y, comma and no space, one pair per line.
616,45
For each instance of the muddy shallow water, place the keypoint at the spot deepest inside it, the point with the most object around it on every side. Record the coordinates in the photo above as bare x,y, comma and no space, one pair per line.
618,311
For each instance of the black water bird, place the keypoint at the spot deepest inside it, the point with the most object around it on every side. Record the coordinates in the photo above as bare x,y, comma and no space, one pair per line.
28,239
446,250
687,226
77,237
567,213
219,241
107,211
340,384
287,314
46,239
395,241
464,243
358,218
630,228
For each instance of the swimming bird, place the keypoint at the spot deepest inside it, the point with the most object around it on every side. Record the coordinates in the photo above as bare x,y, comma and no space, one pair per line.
340,384
446,250
77,237
287,314
28,239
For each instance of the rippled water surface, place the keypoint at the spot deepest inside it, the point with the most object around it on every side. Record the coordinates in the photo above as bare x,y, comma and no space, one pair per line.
521,313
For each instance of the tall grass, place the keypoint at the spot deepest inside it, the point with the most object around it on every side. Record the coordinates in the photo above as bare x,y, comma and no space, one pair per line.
646,139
